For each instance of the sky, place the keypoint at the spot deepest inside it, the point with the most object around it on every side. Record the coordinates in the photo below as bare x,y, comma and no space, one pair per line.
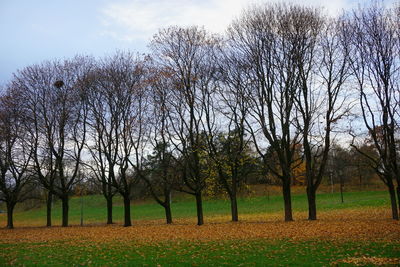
36,30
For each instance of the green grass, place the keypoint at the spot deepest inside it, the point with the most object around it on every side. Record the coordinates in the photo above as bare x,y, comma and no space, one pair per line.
94,207
228,253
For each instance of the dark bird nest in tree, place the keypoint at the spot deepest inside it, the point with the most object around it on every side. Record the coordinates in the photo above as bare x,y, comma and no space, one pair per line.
58,84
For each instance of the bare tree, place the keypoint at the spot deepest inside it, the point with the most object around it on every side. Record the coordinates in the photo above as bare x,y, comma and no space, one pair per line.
55,98
33,83
162,171
101,143
185,54
270,39
322,99
373,37
117,123
226,115
15,154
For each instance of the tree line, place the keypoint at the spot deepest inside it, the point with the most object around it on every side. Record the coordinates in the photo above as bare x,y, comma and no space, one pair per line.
276,90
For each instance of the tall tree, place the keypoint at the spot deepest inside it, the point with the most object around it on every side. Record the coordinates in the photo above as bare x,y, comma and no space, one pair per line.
225,114
322,100
102,145
373,38
15,154
117,122
162,171
184,53
33,82
55,97
270,39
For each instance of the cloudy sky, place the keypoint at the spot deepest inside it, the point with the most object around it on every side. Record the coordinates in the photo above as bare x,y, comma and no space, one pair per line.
36,30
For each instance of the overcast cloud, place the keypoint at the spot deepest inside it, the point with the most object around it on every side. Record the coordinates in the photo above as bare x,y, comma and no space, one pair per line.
138,19
35,30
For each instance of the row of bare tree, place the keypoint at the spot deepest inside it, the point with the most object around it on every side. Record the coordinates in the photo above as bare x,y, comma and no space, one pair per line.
283,77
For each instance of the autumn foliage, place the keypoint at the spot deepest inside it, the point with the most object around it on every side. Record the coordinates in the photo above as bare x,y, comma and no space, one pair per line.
340,225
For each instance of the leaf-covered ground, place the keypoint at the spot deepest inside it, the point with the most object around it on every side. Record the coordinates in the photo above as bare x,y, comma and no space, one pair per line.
340,237
365,224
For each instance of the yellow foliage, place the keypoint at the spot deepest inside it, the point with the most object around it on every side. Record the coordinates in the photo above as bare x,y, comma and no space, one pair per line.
299,174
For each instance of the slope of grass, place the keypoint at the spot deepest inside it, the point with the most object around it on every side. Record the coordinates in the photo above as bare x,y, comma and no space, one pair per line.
94,207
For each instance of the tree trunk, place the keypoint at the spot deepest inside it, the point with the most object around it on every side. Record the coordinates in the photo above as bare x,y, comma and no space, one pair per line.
398,198
341,188
10,211
233,198
109,210
393,200
65,208
199,206
234,208
168,214
127,211
167,207
312,206
287,200
49,204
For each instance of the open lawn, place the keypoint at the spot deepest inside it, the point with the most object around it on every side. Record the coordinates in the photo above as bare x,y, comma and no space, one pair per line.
183,206
357,232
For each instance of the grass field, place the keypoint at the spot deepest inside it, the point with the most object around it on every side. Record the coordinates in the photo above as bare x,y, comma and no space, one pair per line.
94,207
356,232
